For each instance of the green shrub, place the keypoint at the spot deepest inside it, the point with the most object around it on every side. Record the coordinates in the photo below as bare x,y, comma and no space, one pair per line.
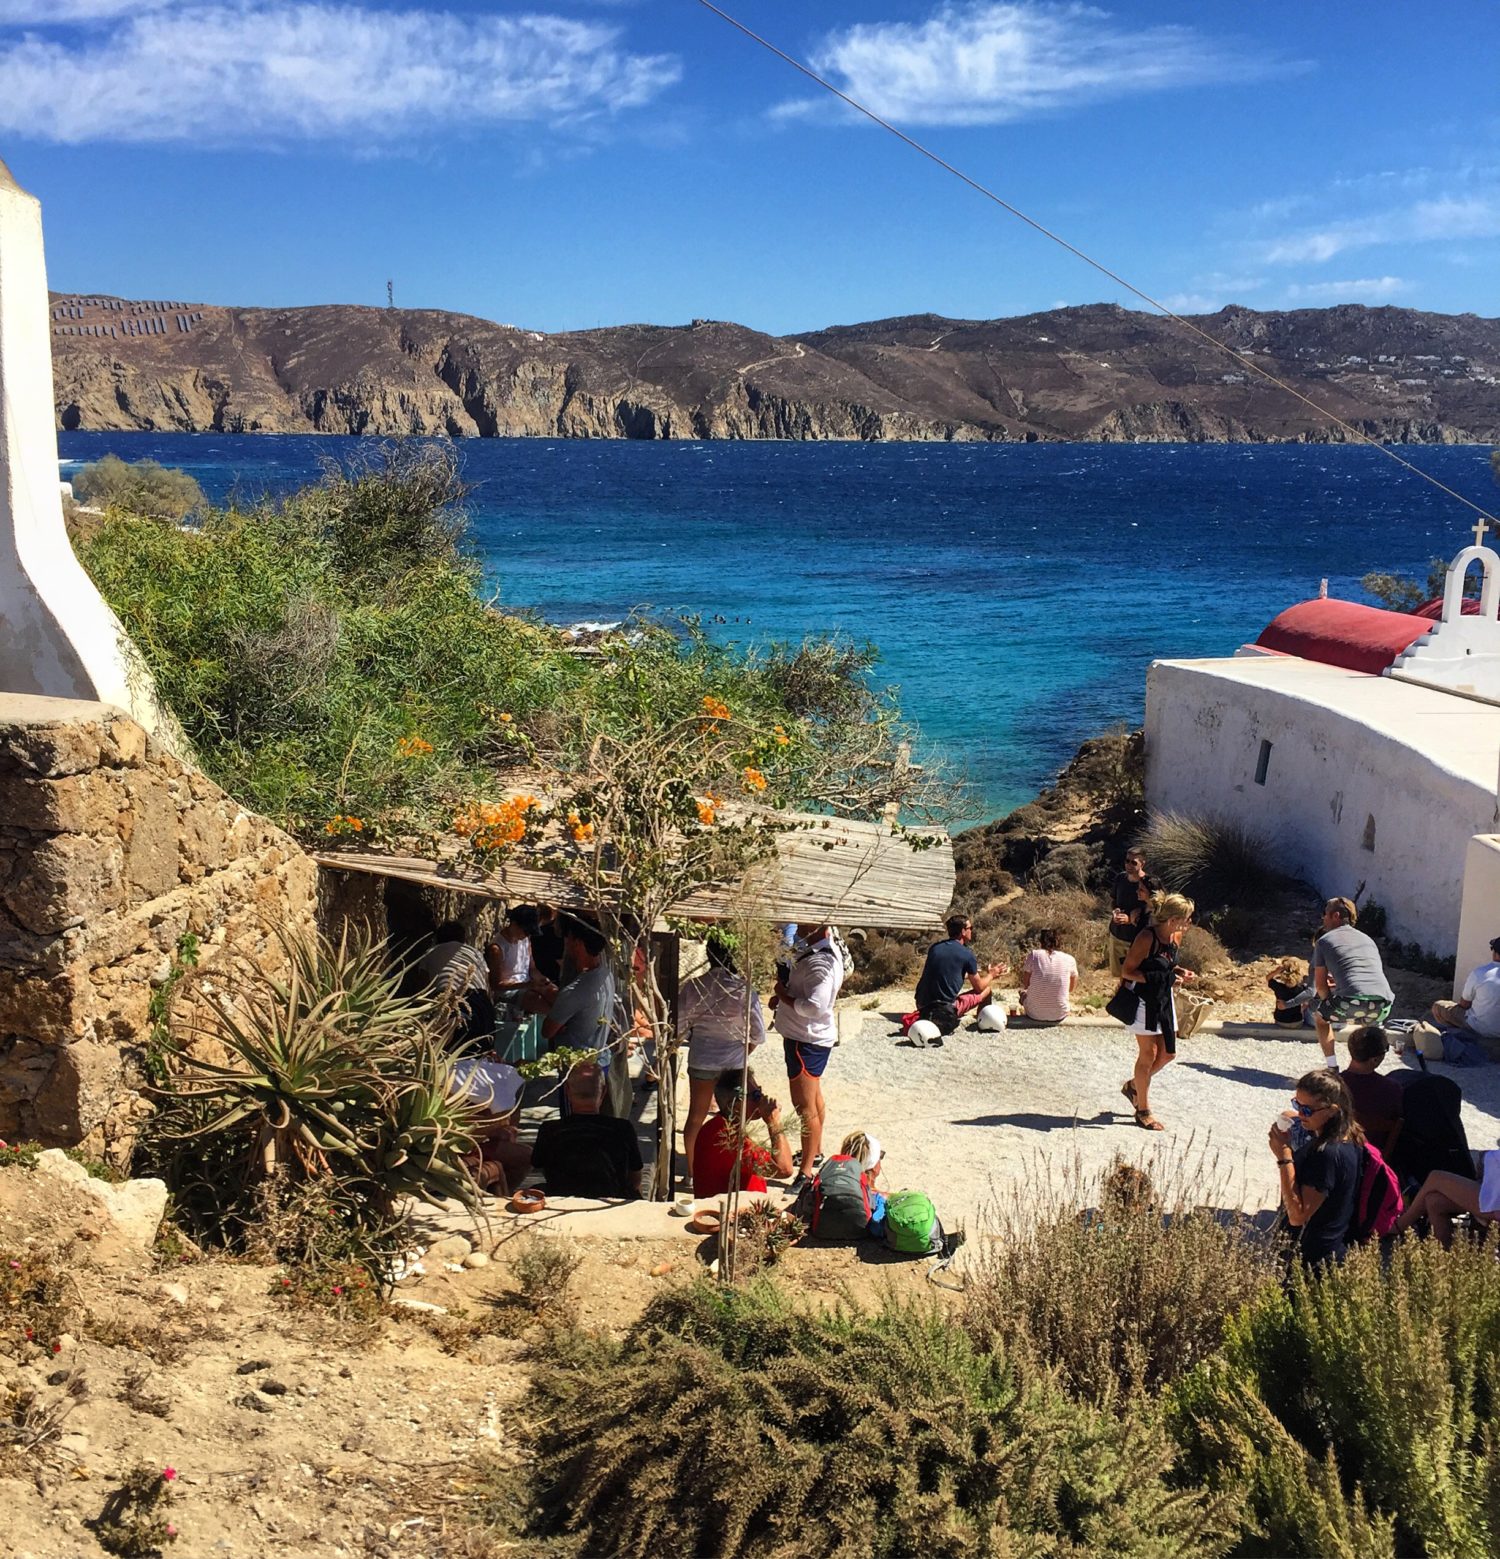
543,1270
139,486
336,1105
1361,1410
731,1423
338,657
1202,951
1216,861
1126,1295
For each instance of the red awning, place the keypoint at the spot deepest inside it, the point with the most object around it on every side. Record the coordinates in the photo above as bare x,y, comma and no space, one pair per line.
1343,633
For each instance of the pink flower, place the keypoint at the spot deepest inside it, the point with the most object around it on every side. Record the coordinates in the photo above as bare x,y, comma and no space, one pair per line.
15,1266
168,1473
57,1347
337,1289
171,1531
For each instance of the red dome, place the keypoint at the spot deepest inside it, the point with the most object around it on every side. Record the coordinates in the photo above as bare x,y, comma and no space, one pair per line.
1343,633
1433,610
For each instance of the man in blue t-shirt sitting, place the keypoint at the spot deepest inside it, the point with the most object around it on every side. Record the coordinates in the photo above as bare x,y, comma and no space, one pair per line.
952,983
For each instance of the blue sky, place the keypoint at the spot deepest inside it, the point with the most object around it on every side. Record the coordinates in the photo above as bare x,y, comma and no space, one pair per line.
593,162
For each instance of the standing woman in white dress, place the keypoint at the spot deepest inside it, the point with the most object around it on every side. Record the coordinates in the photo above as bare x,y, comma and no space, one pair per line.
1151,970
712,1010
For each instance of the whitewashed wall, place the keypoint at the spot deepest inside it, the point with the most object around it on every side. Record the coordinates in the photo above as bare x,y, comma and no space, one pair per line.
1329,775
1481,906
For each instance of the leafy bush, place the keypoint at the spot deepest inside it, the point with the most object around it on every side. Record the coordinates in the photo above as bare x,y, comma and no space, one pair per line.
1202,951
1361,1410
731,1423
1216,861
337,663
140,487
336,1105
1009,930
1124,1296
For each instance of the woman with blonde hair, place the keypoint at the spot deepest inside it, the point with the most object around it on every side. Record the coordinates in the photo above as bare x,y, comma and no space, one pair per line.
1150,972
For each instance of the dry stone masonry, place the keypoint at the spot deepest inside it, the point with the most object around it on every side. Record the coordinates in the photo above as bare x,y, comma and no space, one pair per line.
111,851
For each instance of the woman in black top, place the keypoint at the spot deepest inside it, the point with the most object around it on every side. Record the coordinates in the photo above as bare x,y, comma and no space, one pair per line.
1151,971
1320,1181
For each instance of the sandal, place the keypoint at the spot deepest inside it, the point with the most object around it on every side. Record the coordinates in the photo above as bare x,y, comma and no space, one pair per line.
1147,1121
1128,1089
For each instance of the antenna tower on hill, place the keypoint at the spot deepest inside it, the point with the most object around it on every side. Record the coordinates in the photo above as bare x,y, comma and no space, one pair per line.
390,294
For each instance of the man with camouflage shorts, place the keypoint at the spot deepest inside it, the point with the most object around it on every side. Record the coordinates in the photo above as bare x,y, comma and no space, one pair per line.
1348,975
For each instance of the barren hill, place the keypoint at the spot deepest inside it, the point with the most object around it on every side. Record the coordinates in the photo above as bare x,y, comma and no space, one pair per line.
1092,373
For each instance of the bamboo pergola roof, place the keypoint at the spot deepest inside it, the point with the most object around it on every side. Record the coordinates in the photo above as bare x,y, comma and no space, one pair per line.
827,869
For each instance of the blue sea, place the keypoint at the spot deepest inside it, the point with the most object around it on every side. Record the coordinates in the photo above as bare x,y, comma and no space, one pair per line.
1017,592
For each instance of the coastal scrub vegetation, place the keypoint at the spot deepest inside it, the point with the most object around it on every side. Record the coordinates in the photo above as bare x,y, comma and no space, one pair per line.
337,661
1136,1378
141,486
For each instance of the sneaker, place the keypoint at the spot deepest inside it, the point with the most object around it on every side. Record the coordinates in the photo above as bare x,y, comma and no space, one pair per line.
798,1183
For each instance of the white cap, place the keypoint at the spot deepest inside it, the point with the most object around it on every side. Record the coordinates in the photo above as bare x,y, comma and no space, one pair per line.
874,1154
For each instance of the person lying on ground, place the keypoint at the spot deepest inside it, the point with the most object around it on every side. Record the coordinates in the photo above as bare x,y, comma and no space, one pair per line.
500,1160
1378,1101
715,1144
1477,1010
951,983
1048,979
1348,976
586,1153
717,1010
1443,1196
1320,1179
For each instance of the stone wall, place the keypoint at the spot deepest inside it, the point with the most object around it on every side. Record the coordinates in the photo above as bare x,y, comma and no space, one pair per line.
111,851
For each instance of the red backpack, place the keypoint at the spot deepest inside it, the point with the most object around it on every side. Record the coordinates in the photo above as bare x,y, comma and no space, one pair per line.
1379,1203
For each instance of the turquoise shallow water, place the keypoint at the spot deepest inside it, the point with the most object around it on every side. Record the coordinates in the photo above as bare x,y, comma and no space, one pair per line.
1017,592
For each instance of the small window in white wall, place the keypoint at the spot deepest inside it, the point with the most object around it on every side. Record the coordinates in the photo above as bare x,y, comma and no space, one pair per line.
1263,763
1369,839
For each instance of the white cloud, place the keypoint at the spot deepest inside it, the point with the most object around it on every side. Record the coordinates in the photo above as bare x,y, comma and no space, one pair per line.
991,63
275,71
63,13
1366,289
1425,221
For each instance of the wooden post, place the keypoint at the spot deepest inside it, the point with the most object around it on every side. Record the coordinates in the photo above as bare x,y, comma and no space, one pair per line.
668,979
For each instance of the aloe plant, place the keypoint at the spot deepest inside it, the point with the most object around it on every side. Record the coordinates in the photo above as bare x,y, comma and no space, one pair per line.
331,1070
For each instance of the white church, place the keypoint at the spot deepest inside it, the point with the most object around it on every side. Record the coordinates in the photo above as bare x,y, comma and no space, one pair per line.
1363,745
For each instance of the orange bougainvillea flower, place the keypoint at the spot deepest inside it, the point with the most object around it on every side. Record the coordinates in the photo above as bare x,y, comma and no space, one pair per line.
706,814
339,824
753,779
505,719
779,732
715,708
492,825
413,747
582,832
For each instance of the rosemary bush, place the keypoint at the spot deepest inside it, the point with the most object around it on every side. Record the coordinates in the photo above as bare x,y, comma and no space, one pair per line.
733,1423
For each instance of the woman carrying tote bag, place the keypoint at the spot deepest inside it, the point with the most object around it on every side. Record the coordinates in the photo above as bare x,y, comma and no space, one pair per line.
1148,977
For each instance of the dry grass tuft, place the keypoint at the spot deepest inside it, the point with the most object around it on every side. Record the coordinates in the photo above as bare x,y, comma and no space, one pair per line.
1123,1279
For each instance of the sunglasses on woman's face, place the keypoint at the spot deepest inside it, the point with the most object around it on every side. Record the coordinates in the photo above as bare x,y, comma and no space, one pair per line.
1305,1109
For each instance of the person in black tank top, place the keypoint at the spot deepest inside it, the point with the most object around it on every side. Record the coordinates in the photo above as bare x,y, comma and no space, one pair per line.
1151,971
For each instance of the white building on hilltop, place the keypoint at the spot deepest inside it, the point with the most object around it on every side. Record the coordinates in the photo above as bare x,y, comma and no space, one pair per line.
1363,744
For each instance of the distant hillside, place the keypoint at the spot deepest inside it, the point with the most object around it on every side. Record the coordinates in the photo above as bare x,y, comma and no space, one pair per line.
1093,373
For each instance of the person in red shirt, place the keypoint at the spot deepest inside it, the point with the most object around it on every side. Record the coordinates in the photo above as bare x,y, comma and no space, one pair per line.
714,1152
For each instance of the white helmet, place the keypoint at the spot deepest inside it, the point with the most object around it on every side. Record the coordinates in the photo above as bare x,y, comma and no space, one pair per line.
924,1031
992,1018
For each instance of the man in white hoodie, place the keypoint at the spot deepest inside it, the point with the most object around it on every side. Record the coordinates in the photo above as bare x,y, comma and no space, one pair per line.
806,991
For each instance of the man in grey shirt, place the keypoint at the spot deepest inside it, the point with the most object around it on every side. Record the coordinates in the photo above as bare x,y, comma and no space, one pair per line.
581,1015
1348,975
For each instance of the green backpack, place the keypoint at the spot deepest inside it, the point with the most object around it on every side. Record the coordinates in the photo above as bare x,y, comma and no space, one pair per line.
911,1224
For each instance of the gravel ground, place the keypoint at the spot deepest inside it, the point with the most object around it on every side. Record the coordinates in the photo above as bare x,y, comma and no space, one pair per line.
980,1112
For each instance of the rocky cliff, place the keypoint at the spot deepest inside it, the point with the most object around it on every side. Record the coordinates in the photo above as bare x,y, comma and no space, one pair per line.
1096,373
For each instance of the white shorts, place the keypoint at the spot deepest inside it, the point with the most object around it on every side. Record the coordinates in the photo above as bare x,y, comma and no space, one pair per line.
1139,1025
